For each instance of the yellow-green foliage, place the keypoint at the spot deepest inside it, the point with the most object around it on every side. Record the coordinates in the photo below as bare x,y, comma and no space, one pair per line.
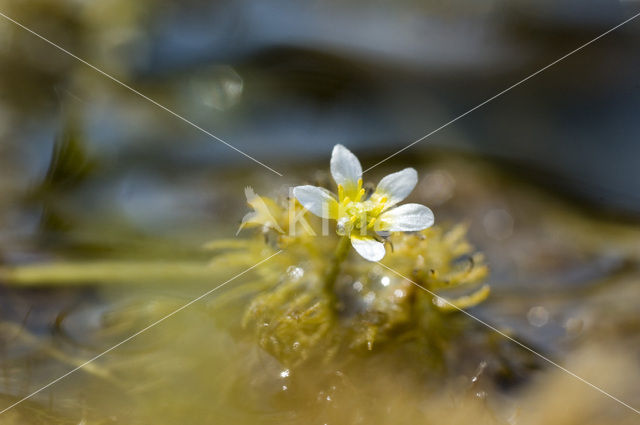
296,318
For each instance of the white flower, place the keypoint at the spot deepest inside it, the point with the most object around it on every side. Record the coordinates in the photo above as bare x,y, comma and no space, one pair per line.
360,218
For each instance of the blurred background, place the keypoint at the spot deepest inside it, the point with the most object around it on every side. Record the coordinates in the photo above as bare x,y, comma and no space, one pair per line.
547,175
284,81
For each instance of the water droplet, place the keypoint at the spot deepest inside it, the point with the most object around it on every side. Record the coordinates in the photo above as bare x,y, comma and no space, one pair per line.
440,302
399,293
538,316
295,346
219,87
343,226
357,286
385,281
574,326
295,273
284,388
370,297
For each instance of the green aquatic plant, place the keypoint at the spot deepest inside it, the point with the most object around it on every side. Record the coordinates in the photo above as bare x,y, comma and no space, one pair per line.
296,319
331,300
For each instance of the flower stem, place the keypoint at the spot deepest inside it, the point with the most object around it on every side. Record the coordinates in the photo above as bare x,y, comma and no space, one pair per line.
342,249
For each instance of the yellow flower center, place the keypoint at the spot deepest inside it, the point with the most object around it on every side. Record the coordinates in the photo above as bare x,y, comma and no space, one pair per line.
358,215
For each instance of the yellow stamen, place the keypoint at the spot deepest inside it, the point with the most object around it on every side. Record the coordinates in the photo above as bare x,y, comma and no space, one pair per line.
380,204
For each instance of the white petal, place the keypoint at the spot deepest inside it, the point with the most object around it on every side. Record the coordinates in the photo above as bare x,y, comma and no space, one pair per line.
317,200
368,247
406,218
247,221
345,168
397,186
